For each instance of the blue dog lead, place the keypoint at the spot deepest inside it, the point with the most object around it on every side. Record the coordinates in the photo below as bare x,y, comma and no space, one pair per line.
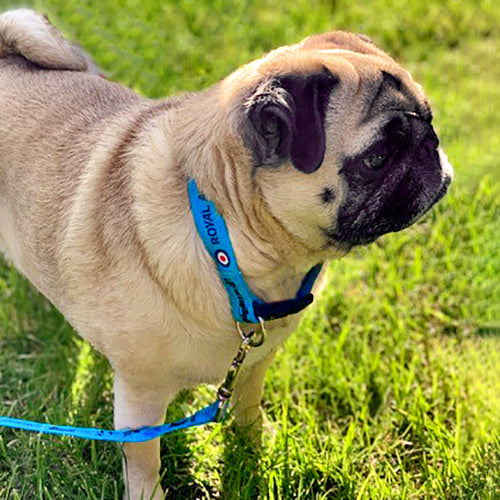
140,435
246,307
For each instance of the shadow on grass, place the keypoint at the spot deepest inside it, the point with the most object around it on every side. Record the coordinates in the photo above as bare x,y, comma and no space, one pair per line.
488,331
177,461
181,457
39,354
241,476
50,375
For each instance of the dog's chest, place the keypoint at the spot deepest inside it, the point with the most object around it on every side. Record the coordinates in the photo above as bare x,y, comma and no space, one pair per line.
207,361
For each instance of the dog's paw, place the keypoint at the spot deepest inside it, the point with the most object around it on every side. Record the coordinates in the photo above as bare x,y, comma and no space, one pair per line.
267,426
147,492
251,423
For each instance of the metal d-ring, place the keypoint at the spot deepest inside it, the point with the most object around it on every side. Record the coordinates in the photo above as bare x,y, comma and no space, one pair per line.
256,337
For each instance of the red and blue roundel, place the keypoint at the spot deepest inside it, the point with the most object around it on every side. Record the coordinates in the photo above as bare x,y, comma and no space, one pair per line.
222,258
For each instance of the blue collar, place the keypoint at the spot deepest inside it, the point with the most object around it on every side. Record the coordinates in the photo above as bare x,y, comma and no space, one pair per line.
245,305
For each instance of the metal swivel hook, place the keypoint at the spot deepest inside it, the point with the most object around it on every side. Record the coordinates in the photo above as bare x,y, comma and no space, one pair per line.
253,339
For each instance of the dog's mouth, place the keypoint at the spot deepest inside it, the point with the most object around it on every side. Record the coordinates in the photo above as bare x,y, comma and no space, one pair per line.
366,229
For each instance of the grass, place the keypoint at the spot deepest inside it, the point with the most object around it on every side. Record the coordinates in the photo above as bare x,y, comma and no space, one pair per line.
391,386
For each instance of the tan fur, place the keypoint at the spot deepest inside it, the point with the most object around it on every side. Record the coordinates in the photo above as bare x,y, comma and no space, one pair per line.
25,32
95,213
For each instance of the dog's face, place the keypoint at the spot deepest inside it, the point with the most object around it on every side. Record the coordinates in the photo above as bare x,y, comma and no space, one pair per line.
342,144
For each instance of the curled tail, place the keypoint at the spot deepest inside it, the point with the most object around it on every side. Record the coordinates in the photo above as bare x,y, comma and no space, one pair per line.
26,33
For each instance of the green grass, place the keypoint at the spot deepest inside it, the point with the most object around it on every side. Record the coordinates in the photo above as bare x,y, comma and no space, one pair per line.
391,386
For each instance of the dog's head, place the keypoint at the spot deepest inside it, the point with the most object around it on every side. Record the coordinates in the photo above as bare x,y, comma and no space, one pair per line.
341,140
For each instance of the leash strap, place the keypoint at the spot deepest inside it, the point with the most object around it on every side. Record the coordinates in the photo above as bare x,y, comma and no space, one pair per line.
203,416
245,305
216,412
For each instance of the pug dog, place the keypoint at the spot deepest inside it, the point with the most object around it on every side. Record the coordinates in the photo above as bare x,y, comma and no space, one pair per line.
307,152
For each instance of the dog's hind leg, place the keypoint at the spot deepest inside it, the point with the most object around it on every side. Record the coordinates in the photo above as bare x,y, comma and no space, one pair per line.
138,405
26,33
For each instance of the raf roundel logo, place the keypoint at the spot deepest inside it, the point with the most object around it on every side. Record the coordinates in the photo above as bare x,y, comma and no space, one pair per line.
222,258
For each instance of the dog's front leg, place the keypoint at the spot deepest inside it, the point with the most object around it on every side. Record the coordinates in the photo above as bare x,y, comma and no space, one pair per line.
248,395
137,405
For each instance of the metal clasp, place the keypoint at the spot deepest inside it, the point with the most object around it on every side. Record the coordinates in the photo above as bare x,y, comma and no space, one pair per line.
254,338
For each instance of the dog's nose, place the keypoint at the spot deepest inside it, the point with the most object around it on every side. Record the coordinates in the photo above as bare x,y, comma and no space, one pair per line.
422,132
427,147
431,140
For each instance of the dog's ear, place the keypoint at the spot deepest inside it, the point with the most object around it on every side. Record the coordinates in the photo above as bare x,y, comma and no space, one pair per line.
285,120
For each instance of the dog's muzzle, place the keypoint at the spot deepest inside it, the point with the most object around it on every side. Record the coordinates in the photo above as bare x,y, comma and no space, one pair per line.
391,200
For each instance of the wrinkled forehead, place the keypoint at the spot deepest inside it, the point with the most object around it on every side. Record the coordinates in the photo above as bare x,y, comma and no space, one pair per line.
377,81
369,75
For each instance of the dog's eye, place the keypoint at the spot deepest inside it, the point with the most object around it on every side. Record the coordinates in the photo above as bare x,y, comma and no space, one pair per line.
375,161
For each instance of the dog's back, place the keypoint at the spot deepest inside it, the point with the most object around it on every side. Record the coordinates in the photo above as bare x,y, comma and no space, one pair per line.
53,111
